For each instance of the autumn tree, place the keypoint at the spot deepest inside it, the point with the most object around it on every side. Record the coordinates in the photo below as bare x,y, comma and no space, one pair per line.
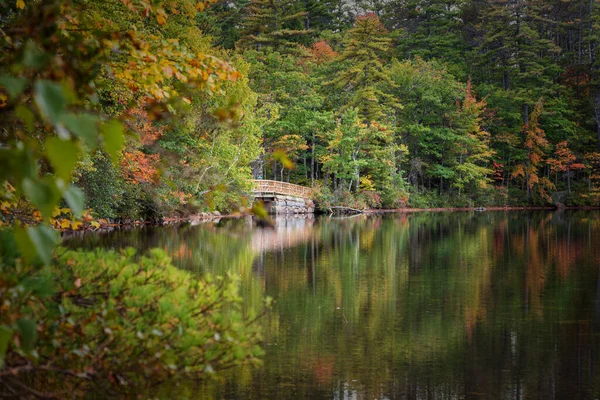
474,153
564,161
535,145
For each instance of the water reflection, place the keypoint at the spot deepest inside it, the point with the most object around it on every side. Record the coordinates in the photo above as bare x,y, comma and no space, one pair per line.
420,306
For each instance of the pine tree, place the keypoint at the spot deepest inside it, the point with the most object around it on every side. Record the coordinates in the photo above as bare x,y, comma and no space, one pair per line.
513,52
274,24
430,29
362,63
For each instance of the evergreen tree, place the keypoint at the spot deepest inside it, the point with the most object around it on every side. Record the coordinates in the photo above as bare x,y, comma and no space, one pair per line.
274,24
361,72
429,29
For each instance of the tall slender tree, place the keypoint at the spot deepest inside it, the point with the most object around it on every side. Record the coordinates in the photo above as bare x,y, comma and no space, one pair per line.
536,145
361,73
274,24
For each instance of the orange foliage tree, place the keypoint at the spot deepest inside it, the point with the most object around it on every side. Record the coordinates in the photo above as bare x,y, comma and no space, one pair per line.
535,143
564,161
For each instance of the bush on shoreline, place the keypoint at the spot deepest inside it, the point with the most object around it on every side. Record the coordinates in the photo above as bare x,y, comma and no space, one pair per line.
116,322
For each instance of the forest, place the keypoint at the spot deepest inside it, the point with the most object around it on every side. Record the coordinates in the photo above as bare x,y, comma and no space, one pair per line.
375,105
131,110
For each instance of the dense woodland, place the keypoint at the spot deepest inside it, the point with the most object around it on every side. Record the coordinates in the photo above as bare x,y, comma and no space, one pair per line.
447,103
374,104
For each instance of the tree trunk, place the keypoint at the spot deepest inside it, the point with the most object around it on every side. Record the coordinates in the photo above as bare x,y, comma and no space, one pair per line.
312,162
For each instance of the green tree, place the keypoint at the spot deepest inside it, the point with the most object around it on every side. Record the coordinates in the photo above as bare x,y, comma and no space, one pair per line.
273,24
361,72
473,146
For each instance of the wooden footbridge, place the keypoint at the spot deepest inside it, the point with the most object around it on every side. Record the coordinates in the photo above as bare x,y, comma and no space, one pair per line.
263,187
282,197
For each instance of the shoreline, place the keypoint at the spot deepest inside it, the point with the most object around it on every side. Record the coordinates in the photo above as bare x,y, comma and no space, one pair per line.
212,217
373,211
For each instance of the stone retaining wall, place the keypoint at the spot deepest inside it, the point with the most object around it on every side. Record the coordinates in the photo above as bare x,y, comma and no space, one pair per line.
289,205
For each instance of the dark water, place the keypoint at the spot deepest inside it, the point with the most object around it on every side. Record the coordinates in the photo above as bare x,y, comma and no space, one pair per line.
487,305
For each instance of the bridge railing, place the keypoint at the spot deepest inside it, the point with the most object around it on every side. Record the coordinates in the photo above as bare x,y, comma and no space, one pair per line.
283,188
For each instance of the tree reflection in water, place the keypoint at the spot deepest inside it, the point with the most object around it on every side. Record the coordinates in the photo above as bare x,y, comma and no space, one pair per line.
495,305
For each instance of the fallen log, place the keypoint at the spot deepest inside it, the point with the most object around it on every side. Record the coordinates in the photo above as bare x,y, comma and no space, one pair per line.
344,210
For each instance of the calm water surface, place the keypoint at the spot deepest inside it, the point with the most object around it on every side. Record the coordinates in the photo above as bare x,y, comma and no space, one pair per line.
490,305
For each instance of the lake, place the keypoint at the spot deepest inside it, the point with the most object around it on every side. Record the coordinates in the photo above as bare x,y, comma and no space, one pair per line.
456,305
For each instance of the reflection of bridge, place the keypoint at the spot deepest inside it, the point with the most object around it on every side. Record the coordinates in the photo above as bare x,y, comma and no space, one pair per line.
288,232
282,197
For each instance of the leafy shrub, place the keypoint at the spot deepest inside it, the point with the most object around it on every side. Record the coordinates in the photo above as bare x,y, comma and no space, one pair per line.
370,198
323,197
117,324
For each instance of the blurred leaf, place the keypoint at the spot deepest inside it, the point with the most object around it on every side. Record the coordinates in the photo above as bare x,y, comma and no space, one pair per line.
14,85
5,336
63,156
283,159
43,194
50,99
258,209
112,133
83,126
27,329
75,199
26,115
36,241
41,285
33,57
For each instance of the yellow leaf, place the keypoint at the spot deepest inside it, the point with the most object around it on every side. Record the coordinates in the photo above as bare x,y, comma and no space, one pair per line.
65,224
280,156
95,224
76,225
20,4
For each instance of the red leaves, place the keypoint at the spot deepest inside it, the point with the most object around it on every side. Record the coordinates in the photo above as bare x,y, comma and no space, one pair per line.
498,172
149,132
322,52
139,167
564,159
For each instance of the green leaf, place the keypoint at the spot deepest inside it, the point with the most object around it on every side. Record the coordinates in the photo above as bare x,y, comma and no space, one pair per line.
112,133
33,57
41,285
36,241
26,115
83,126
27,329
43,194
63,156
5,336
75,199
14,85
50,99
44,240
